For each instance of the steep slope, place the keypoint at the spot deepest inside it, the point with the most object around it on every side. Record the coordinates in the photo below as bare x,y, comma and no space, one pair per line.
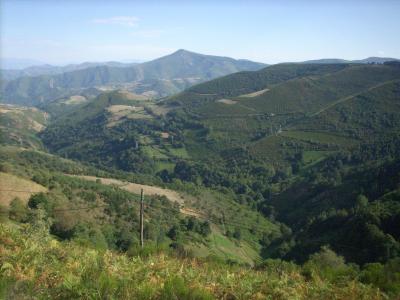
291,141
248,82
180,70
77,271
19,125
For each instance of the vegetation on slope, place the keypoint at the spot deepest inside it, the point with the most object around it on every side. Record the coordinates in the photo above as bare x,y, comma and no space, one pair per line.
36,265
181,69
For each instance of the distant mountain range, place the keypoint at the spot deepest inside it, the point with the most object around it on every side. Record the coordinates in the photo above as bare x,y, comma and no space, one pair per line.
46,69
368,60
160,77
157,78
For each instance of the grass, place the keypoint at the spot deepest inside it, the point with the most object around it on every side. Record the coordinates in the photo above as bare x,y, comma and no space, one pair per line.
222,246
34,265
179,152
154,152
13,186
164,165
313,156
320,137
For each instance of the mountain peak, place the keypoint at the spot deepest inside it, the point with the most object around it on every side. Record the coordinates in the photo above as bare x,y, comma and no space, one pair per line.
182,52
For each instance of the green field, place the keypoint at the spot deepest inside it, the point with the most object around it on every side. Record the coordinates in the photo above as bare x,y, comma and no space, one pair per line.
320,137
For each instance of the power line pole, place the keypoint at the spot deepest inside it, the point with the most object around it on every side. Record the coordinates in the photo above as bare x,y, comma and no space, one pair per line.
141,217
223,222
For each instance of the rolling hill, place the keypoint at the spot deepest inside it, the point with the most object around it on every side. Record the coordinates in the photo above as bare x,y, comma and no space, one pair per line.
160,77
46,69
288,162
290,141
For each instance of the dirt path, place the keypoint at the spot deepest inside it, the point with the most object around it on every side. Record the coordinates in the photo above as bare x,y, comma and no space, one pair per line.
347,98
147,189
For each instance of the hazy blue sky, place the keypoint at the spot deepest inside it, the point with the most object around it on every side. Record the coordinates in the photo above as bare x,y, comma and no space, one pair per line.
76,31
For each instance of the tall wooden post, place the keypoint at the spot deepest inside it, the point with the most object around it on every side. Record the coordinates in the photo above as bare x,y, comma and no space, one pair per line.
223,222
141,217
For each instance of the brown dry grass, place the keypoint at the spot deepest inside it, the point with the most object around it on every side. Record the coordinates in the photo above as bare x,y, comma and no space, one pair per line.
76,99
227,101
254,94
12,186
135,188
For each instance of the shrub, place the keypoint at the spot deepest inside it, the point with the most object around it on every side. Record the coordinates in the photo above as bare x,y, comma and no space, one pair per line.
386,277
3,213
39,200
330,266
176,288
18,210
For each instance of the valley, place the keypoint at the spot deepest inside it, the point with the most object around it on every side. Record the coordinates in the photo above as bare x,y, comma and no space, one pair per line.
264,169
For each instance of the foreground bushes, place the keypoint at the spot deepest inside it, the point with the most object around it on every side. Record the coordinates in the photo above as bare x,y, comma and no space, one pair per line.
34,265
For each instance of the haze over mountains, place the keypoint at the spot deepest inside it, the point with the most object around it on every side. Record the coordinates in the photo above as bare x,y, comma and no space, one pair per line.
157,78
46,69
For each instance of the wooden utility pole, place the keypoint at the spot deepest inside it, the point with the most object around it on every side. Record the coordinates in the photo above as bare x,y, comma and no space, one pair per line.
141,217
223,222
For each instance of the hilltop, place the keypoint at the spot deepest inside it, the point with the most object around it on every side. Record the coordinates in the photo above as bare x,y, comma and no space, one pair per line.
160,77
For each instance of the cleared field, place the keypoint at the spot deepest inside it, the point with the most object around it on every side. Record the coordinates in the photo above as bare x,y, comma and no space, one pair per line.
313,156
254,94
164,165
74,100
222,246
154,152
133,96
227,101
13,186
123,109
135,188
179,152
27,118
119,112
158,110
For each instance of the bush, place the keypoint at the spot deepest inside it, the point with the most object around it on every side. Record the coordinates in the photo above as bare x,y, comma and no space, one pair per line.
328,265
386,277
176,288
278,266
18,210
3,213
39,200
5,167
149,249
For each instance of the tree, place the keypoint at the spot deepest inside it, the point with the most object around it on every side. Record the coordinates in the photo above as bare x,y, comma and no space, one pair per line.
205,228
237,234
174,233
39,200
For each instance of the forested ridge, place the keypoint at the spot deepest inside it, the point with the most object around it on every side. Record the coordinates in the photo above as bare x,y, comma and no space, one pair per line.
289,175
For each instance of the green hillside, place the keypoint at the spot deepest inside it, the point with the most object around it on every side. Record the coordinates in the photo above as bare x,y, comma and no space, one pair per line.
39,266
295,162
299,125
160,77
20,125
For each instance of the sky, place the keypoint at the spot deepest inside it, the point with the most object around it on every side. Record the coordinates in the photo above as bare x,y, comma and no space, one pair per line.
72,31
